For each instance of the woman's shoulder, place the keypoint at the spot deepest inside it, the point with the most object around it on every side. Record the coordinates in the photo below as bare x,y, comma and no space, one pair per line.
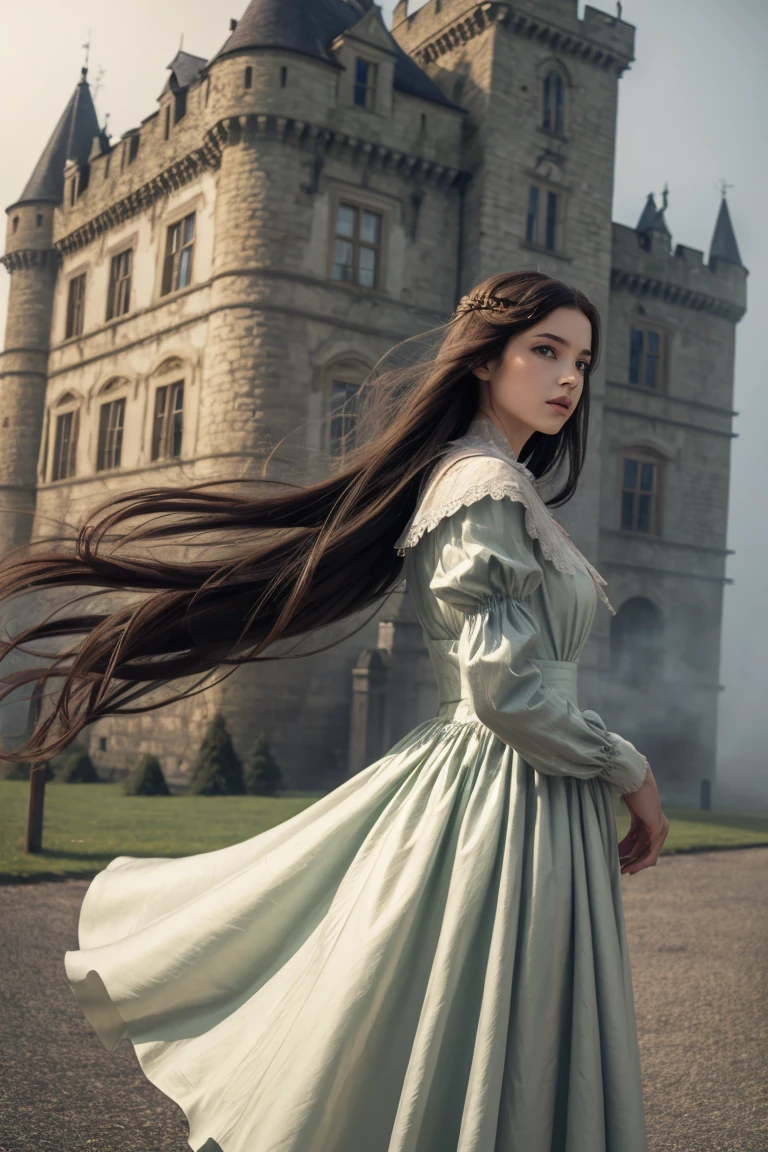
460,483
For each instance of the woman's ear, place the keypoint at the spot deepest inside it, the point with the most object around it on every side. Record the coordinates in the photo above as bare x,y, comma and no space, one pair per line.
482,372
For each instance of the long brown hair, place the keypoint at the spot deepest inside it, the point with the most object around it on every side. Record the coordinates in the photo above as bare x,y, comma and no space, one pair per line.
295,559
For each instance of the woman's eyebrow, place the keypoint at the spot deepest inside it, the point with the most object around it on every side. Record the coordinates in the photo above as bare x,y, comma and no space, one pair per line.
560,340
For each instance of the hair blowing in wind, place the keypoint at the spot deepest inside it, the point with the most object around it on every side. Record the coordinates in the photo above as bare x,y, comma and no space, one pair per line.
251,562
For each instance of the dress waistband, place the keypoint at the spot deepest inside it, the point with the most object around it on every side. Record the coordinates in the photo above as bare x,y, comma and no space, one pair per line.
559,674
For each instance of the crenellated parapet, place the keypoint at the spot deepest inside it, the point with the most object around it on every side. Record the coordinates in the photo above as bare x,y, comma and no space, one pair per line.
600,40
680,277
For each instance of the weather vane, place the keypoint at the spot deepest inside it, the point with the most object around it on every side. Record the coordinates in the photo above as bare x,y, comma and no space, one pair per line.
87,48
724,186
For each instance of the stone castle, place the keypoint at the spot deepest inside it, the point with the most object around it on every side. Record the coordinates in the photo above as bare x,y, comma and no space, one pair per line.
225,274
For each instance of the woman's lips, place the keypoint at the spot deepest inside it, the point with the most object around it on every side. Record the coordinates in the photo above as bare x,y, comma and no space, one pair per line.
560,405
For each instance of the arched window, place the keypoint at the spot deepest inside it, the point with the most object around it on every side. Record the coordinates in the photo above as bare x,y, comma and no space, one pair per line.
249,77
343,380
168,410
553,103
637,633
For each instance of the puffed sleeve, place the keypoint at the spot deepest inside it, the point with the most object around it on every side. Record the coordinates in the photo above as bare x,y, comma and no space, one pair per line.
486,569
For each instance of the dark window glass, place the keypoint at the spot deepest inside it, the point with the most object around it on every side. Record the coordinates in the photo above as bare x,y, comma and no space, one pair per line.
75,306
357,245
645,357
559,105
110,444
167,128
177,269
65,445
179,105
640,495
133,149
168,420
283,76
343,415
652,358
119,295
249,77
533,210
547,101
552,102
365,83
635,354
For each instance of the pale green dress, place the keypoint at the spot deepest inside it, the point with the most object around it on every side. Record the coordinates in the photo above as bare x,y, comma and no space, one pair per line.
431,958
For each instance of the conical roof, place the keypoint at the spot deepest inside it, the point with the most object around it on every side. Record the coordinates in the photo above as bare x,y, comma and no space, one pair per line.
652,218
310,27
72,139
724,246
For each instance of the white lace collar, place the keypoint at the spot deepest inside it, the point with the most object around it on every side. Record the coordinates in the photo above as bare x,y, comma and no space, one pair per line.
482,463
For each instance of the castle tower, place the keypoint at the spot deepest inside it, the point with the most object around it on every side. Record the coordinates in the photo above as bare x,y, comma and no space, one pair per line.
666,459
32,263
540,86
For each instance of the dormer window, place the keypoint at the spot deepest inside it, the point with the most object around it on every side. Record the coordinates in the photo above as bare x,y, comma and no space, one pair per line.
365,84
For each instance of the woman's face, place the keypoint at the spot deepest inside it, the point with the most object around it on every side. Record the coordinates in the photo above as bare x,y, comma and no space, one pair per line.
543,364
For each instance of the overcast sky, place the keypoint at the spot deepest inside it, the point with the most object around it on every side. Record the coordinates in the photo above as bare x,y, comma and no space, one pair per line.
691,112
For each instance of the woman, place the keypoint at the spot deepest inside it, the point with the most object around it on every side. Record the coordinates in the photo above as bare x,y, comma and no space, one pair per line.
431,958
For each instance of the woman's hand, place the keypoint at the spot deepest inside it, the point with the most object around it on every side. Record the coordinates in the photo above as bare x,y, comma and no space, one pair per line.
648,827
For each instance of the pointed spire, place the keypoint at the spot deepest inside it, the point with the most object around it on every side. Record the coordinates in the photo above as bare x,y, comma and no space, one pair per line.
724,246
652,218
72,139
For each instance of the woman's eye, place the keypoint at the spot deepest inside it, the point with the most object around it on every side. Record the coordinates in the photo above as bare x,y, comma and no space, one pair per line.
545,348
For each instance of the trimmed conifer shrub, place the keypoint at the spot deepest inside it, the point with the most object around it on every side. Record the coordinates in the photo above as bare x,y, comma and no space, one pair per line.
263,776
78,768
217,771
21,771
146,778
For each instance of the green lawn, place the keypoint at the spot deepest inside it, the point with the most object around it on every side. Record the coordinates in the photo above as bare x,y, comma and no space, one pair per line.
87,825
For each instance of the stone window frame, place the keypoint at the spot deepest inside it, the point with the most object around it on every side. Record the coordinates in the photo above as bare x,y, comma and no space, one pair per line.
549,67
640,322
642,454
546,186
359,198
115,389
173,370
191,206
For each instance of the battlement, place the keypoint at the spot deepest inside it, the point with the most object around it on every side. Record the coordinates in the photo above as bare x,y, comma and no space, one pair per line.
599,39
681,275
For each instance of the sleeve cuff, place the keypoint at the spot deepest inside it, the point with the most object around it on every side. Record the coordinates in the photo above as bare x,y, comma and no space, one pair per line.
627,768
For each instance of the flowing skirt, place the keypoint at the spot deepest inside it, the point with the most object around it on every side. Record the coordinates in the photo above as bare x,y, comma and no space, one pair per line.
431,958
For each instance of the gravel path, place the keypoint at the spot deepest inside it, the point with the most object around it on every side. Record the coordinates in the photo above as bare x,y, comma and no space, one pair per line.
698,928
